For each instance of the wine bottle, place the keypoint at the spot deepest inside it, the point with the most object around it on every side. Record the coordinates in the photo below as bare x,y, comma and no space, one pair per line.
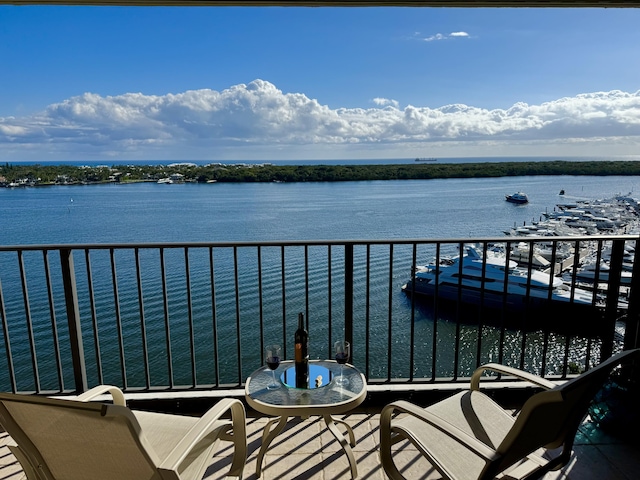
302,354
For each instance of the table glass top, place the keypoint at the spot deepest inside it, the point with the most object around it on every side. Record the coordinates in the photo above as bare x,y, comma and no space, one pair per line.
328,391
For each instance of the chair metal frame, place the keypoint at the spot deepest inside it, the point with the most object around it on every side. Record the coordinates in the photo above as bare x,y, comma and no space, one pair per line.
548,421
202,435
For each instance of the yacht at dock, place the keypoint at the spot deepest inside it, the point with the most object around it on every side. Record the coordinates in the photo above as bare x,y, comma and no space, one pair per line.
525,289
470,280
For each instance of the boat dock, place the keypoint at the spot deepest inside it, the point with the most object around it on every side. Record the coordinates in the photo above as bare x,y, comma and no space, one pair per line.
562,265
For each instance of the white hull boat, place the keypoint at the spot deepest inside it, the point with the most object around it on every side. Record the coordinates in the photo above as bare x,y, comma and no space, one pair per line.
471,283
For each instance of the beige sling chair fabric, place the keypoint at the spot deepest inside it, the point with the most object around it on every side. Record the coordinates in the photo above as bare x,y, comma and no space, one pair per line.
469,437
76,439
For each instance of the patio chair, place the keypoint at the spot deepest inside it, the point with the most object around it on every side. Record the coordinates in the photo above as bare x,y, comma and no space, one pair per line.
469,436
59,439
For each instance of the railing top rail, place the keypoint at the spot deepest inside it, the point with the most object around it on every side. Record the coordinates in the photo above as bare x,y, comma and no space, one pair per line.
279,243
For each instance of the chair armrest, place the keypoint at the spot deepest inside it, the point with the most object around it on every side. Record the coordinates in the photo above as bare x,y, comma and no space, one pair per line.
496,367
205,425
116,393
27,467
451,430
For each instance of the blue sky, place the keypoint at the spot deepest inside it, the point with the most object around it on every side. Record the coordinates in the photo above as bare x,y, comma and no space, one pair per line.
294,83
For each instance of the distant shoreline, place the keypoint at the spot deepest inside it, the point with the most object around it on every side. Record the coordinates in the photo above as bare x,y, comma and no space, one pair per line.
21,175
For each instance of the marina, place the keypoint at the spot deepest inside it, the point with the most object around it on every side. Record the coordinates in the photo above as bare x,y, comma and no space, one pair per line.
617,215
552,280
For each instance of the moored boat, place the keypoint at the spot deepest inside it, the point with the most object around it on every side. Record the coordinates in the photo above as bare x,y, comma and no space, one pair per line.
524,288
589,272
471,280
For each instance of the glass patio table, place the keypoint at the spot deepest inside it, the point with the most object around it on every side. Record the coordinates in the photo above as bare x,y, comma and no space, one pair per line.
324,398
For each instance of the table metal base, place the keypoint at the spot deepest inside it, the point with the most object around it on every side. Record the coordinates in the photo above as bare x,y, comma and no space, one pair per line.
270,433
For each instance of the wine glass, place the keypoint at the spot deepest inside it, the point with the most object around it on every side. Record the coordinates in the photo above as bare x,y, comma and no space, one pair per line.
343,350
272,354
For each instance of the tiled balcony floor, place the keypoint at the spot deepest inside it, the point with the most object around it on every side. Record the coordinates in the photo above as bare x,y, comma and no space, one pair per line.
307,450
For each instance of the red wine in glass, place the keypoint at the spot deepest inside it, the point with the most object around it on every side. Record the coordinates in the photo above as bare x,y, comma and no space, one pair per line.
342,358
272,354
273,362
343,351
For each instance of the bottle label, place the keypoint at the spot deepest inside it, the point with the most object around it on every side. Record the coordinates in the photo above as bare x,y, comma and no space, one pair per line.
298,352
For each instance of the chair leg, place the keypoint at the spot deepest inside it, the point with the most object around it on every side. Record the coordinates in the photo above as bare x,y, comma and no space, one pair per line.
386,441
239,439
27,468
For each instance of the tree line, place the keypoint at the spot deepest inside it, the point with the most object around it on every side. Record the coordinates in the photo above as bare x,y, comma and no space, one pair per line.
37,174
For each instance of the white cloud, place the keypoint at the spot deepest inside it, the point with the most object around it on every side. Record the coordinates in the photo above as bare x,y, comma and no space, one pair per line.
444,36
383,102
12,130
248,120
437,36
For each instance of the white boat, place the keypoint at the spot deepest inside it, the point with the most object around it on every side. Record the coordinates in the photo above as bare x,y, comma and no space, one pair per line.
518,197
587,273
471,283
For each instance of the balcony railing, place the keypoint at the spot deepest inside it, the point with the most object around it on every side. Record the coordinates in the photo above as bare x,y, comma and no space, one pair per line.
173,317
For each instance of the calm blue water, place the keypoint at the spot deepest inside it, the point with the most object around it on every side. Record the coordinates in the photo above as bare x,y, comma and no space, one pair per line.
139,213
149,212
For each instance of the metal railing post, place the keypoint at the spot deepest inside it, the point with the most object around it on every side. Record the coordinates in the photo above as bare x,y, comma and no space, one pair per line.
348,293
633,312
73,319
7,343
613,292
